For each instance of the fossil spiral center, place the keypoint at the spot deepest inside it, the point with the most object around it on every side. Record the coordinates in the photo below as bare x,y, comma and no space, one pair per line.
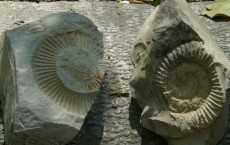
187,81
188,86
75,65
79,64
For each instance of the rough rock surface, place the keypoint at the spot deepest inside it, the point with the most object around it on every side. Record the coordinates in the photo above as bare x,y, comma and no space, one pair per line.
180,77
114,118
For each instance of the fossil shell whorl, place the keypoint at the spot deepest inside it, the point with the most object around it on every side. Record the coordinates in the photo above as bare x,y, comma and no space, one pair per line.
188,80
68,69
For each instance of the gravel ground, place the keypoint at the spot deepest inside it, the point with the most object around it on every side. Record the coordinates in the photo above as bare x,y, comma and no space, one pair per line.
114,118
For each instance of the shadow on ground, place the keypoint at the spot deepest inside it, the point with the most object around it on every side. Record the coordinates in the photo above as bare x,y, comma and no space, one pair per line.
92,130
221,19
147,137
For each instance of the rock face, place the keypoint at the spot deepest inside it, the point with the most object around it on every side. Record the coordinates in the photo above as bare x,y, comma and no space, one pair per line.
180,77
51,71
104,124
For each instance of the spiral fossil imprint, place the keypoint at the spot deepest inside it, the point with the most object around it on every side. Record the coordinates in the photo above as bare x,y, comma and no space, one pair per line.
68,69
188,80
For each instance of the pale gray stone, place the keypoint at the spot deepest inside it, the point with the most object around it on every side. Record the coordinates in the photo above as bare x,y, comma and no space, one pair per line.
51,71
119,24
180,77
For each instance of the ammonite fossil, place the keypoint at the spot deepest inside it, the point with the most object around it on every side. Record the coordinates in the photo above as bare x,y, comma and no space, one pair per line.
68,69
188,80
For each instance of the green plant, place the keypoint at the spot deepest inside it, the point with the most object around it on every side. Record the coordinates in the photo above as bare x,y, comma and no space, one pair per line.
156,2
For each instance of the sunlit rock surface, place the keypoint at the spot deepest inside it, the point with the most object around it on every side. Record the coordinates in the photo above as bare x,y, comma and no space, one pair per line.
180,77
51,72
114,118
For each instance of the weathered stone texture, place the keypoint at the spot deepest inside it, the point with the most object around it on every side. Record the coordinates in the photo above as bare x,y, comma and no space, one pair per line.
114,118
178,78
39,61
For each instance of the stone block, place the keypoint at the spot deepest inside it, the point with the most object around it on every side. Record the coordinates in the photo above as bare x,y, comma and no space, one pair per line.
51,71
180,77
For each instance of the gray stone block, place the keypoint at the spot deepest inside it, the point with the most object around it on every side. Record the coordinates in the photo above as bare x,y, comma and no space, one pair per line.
104,124
51,71
180,77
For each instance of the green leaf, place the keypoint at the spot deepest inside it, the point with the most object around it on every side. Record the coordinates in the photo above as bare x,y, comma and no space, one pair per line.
156,2
221,8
